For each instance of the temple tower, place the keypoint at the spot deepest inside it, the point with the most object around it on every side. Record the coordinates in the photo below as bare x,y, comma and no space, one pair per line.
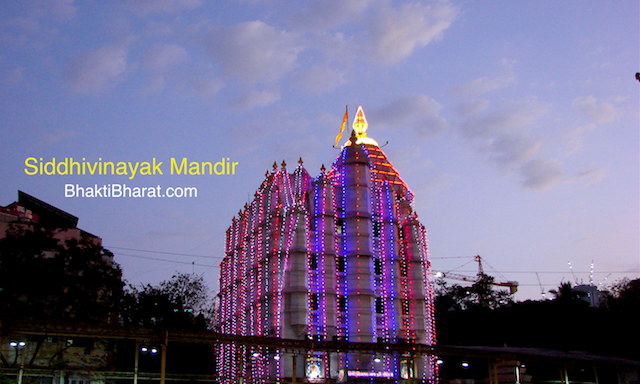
341,256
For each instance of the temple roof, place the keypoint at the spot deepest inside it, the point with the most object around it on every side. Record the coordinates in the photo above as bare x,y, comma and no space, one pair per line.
381,168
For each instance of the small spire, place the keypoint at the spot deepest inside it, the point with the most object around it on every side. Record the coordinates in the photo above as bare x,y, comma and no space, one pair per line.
322,169
300,161
360,123
266,174
275,166
283,164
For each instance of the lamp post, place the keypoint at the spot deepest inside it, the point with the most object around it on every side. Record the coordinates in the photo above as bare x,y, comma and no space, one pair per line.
17,345
144,349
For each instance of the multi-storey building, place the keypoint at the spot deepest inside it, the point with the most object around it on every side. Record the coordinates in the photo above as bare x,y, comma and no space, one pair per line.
340,256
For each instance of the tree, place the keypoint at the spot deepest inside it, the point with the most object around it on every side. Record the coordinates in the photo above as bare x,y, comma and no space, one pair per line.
43,278
479,295
625,295
179,303
566,293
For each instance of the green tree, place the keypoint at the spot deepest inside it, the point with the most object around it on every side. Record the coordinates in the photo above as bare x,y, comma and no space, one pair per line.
42,278
179,303
481,294
566,293
625,295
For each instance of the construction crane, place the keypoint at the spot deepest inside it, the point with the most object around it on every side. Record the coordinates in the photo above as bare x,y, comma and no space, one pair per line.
513,285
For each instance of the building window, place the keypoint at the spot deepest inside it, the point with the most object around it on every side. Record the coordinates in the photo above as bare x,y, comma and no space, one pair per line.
342,303
380,305
341,264
403,269
340,226
313,301
377,228
405,307
313,261
377,266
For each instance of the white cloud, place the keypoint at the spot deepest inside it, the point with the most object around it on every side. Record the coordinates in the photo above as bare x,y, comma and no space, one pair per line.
483,85
322,15
396,33
159,61
254,52
321,79
598,112
510,149
57,136
52,9
418,112
502,136
427,191
143,7
594,175
19,31
206,86
99,69
541,174
15,76
256,99
160,57
63,9
486,84
574,139
22,24
514,116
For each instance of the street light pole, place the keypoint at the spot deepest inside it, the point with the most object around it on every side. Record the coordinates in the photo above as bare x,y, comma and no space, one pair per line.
17,345
163,358
135,364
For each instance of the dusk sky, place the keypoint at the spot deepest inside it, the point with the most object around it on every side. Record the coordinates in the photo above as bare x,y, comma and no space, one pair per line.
516,124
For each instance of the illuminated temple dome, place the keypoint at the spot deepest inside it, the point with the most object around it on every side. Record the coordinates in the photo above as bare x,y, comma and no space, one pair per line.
339,256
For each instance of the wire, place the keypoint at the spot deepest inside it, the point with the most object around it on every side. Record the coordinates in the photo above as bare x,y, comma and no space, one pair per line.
165,253
166,261
563,272
452,257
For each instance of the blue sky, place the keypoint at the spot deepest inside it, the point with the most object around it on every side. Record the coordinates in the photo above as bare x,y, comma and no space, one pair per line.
516,124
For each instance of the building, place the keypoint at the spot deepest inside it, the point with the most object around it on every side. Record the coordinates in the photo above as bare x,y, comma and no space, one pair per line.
52,272
39,242
30,212
340,256
591,294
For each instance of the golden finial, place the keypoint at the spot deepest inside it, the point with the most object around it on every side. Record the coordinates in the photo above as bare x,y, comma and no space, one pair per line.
360,124
283,164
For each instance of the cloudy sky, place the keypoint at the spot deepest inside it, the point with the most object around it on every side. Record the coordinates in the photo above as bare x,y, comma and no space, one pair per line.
516,124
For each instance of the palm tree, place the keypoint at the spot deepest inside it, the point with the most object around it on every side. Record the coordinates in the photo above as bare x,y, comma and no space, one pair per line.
565,292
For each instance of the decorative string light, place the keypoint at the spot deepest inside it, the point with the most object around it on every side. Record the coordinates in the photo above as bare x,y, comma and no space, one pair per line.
357,228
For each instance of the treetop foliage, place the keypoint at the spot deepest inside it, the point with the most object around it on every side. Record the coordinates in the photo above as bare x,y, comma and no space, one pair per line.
42,278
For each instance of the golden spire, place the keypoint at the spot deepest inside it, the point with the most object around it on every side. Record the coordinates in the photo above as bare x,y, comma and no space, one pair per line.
360,124
359,133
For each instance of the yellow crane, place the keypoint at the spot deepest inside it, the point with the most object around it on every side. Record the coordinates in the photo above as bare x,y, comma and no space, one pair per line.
513,285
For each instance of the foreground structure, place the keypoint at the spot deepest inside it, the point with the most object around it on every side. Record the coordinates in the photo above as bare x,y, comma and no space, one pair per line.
340,256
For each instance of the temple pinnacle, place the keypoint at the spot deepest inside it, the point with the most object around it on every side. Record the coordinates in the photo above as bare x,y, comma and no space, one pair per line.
360,123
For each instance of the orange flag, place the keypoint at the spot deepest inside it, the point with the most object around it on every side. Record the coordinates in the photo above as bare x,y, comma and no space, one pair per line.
344,122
